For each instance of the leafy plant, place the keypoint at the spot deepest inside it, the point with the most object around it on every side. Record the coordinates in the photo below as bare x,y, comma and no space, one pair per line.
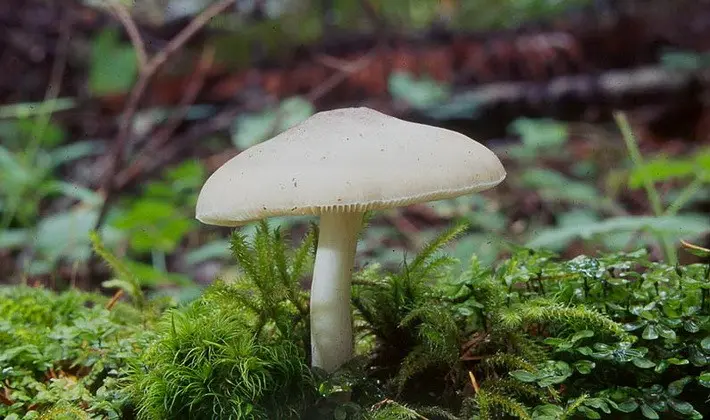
159,218
602,219
645,176
534,337
28,174
65,353
29,166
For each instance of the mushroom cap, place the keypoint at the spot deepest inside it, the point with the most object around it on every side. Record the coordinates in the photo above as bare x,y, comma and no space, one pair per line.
345,160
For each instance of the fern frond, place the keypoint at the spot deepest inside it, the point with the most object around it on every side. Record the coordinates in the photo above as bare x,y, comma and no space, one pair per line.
436,412
436,245
264,252
575,317
415,362
436,330
243,254
547,312
303,255
120,269
279,256
488,401
572,407
270,285
436,267
392,410
515,388
508,362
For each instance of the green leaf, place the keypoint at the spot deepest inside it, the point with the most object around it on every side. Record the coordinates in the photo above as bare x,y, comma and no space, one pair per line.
523,376
661,169
552,380
66,235
675,388
114,66
419,93
74,151
547,411
633,326
540,134
582,334
627,406
677,362
705,344
643,363
673,226
586,351
598,403
682,407
584,366
650,332
50,136
648,412
665,332
78,192
691,326
704,379
589,413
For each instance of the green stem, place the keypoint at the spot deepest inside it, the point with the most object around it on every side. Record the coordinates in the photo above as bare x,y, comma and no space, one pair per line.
651,192
686,194
32,109
159,260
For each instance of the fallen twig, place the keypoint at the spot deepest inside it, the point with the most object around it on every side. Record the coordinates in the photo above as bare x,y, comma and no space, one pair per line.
124,16
116,296
151,67
168,129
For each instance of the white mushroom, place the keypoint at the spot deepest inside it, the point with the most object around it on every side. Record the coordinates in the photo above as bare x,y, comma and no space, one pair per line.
337,165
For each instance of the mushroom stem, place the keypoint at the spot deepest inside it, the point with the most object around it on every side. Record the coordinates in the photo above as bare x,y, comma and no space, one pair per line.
331,316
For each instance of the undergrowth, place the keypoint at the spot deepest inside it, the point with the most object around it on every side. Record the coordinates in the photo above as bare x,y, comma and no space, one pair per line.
68,351
536,337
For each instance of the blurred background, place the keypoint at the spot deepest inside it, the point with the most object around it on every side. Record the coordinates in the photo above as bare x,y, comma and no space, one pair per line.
112,115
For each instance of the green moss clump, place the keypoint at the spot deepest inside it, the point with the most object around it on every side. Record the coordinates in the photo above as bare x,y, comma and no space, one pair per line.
208,364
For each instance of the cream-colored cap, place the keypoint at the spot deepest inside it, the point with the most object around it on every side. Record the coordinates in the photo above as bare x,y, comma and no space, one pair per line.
351,159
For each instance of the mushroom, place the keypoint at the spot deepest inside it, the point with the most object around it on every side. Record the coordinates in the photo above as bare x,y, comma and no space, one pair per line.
337,165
